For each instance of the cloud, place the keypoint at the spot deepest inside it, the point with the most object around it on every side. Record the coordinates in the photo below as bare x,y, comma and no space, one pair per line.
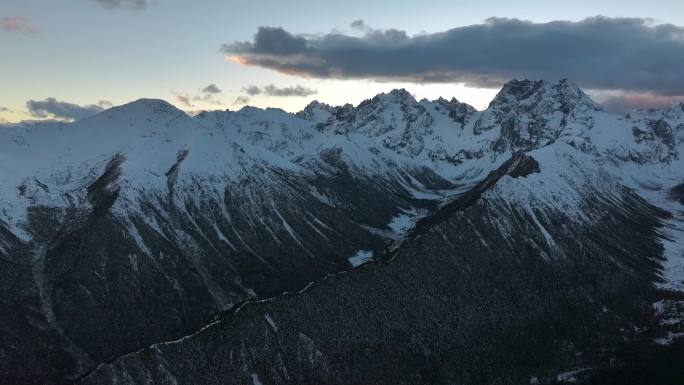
4,109
272,90
105,104
208,98
208,95
18,24
241,100
53,108
358,24
252,90
211,89
184,100
289,91
629,54
128,4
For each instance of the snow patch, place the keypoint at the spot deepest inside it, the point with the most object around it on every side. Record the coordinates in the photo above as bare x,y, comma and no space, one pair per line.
255,379
570,376
361,257
545,233
673,266
669,339
271,322
405,221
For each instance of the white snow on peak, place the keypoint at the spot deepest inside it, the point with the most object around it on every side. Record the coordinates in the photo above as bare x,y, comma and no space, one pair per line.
52,163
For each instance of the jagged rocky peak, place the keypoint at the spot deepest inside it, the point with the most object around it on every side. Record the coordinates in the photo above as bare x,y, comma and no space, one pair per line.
534,95
401,93
673,114
532,113
398,96
316,111
454,103
457,111
516,91
315,104
569,96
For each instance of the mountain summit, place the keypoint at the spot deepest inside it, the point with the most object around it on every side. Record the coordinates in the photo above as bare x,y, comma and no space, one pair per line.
564,96
138,225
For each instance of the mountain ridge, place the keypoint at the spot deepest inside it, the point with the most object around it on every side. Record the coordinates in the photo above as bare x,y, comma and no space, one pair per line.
209,211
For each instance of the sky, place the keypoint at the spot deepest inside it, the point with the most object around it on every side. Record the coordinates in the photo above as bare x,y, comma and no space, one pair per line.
68,59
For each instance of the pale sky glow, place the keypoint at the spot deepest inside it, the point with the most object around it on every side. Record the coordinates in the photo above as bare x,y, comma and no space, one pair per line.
79,52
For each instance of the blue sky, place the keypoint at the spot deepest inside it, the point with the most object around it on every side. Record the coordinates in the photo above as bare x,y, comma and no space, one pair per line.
80,52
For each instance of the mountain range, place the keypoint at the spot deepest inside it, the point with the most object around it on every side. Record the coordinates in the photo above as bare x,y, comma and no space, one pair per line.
398,241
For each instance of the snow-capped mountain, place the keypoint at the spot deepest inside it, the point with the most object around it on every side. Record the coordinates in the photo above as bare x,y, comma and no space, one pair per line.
139,225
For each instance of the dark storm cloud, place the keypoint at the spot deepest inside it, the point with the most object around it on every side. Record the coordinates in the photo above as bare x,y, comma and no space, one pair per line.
130,4
598,52
211,89
271,41
272,90
53,108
